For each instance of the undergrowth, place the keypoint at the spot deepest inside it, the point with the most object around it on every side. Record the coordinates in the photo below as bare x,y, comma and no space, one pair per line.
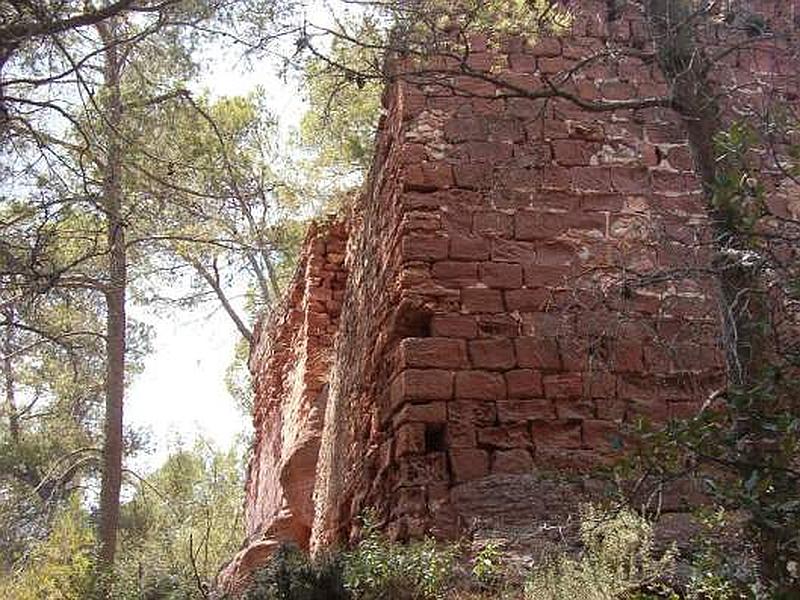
617,559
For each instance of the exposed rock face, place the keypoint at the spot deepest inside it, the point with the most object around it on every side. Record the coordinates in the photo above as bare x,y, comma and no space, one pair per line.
523,279
290,362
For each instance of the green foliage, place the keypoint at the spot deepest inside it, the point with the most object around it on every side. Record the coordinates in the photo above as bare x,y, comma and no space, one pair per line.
738,195
487,565
377,569
618,561
60,566
291,575
344,104
185,516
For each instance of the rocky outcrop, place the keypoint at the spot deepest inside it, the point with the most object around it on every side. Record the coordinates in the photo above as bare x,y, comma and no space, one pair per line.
525,279
290,361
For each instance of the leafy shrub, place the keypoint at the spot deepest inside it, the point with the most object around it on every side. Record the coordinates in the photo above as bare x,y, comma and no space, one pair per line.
291,575
487,566
617,561
377,569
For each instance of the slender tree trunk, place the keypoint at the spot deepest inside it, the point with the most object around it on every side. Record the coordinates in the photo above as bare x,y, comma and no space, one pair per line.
115,318
8,377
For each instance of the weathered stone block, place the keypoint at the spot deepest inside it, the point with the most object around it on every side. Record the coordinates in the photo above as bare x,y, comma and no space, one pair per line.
493,354
538,353
467,464
443,353
524,383
479,385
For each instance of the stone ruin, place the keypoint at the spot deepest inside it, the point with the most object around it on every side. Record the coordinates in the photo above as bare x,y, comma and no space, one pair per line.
494,308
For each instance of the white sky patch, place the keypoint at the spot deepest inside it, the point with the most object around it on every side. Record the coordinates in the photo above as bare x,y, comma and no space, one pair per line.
182,391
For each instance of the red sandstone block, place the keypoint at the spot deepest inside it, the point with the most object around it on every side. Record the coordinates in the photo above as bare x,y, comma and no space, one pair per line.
665,133
442,353
627,356
588,130
601,202
680,158
653,412
494,354
409,440
637,388
427,177
590,224
600,385
480,385
432,412
538,353
456,326
422,221
629,180
551,66
409,501
474,176
460,273
522,63
536,154
592,179
480,61
524,383
501,275
545,276
574,153
493,224
461,434
466,129
565,385
464,247
509,436
424,247
556,254
502,129
547,46
422,470
512,462
476,412
536,225
417,384
489,151
617,90
481,300
422,201
575,408
520,411
553,128
502,325
527,300
556,434
472,86
513,251
525,108
467,464
610,409
603,436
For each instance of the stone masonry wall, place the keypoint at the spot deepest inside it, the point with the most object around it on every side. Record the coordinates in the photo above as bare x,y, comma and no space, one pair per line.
518,243
527,279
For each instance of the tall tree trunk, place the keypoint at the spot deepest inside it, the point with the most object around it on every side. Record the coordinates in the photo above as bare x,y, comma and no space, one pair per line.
115,316
8,376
